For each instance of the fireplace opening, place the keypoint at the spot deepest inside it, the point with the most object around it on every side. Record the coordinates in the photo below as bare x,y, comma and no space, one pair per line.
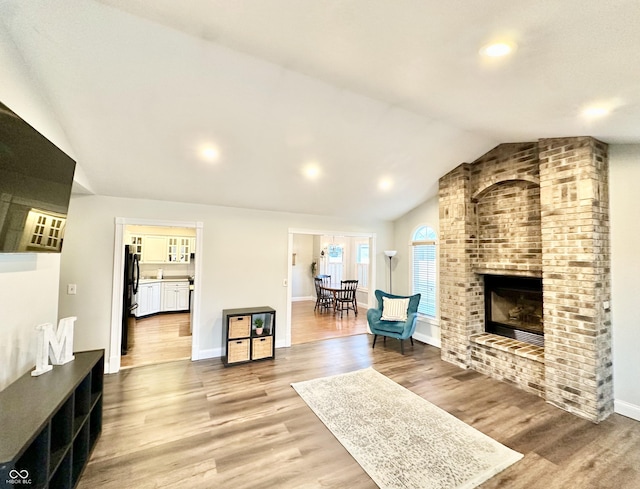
513,308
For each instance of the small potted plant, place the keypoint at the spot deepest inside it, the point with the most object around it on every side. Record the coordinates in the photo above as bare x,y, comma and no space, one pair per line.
258,323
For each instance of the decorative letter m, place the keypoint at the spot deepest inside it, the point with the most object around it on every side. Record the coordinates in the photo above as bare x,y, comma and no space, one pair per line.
60,343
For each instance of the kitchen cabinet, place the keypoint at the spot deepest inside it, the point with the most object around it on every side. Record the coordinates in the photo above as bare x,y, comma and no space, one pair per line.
154,249
175,296
135,241
148,299
179,250
163,249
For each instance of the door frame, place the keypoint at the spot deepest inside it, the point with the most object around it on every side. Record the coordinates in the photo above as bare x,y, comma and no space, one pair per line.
316,232
118,267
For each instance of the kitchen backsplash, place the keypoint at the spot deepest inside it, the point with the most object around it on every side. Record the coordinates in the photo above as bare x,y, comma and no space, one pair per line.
168,270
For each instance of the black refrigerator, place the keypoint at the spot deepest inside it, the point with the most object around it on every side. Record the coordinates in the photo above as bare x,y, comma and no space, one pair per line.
129,291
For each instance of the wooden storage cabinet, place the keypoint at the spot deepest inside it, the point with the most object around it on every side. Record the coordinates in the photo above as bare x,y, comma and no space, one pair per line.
51,423
241,342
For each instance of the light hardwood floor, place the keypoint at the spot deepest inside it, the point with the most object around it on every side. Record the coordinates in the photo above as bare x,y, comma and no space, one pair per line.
166,337
201,425
157,339
309,325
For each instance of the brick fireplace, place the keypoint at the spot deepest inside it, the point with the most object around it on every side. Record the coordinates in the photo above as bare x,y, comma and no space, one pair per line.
536,209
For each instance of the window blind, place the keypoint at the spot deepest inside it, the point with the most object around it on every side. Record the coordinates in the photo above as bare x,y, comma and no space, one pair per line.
424,276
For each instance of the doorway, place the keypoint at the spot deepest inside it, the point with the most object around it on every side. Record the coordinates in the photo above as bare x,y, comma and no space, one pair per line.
343,255
166,325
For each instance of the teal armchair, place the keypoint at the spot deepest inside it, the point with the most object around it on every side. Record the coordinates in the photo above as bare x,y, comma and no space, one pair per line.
395,329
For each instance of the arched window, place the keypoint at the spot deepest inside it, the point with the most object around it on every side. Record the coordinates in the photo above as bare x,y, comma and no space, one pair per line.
423,269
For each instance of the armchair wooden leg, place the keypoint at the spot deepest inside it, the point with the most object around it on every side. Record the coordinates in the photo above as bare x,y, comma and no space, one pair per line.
402,346
411,338
375,337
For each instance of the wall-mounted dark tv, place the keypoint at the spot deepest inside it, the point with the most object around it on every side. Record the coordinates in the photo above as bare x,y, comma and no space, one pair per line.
35,188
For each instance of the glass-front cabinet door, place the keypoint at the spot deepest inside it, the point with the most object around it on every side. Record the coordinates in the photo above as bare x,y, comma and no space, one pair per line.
179,250
136,243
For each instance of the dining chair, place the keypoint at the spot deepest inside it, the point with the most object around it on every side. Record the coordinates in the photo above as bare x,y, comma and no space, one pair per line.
326,279
346,297
324,298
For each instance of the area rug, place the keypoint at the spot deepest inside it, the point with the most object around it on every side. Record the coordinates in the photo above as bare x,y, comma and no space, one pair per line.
400,439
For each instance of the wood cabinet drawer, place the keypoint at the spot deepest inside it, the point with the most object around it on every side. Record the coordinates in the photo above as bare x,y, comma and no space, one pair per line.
238,351
262,347
239,326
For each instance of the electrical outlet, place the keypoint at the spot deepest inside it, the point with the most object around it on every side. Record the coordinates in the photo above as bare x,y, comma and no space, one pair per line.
71,289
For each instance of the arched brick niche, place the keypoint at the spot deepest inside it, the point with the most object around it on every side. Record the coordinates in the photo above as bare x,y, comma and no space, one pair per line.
509,236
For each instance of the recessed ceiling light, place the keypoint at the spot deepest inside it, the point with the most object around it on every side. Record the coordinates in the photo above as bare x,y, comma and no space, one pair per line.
385,184
311,171
210,153
595,111
497,49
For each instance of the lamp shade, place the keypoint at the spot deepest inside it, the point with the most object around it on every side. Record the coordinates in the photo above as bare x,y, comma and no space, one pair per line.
390,253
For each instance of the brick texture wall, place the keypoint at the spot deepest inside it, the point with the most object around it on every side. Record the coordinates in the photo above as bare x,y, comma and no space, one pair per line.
533,209
457,221
576,283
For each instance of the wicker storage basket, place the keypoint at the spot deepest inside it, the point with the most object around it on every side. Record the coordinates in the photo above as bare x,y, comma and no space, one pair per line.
239,327
238,351
262,347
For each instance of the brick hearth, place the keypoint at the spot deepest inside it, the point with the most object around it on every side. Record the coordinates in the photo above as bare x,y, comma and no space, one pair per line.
538,209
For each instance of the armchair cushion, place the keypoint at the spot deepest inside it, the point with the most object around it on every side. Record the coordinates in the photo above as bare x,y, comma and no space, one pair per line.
394,309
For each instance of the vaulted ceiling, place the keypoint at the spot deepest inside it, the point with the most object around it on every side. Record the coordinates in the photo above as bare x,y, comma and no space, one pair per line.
379,97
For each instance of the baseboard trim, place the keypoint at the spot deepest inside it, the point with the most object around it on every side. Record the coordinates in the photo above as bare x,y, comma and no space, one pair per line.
210,353
626,409
112,365
429,340
303,299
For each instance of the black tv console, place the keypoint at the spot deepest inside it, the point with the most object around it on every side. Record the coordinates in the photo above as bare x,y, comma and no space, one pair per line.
49,424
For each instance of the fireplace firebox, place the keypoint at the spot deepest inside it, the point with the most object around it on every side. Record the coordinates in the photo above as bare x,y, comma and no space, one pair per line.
513,308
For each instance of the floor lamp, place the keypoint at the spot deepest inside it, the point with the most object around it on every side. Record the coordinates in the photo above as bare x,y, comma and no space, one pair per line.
390,254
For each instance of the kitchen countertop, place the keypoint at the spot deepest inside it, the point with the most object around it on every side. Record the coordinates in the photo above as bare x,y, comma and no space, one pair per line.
164,279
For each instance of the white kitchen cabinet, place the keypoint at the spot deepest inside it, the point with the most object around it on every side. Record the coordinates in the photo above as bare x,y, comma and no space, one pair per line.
154,249
179,250
148,298
175,296
135,241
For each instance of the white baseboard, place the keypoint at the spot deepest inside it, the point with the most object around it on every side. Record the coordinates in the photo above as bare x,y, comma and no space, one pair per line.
627,409
429,340
112,365
210,353
301,299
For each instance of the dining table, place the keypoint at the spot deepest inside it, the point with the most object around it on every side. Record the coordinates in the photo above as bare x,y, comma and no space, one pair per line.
334,289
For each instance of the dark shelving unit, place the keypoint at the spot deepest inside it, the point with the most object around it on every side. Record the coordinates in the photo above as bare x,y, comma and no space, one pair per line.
51,423
241,341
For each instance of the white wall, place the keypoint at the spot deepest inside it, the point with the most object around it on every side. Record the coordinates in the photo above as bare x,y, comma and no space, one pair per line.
244,261
29,285
624,174
425,214
28,282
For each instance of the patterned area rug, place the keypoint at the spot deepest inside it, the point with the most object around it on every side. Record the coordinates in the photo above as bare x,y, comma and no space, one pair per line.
400,439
